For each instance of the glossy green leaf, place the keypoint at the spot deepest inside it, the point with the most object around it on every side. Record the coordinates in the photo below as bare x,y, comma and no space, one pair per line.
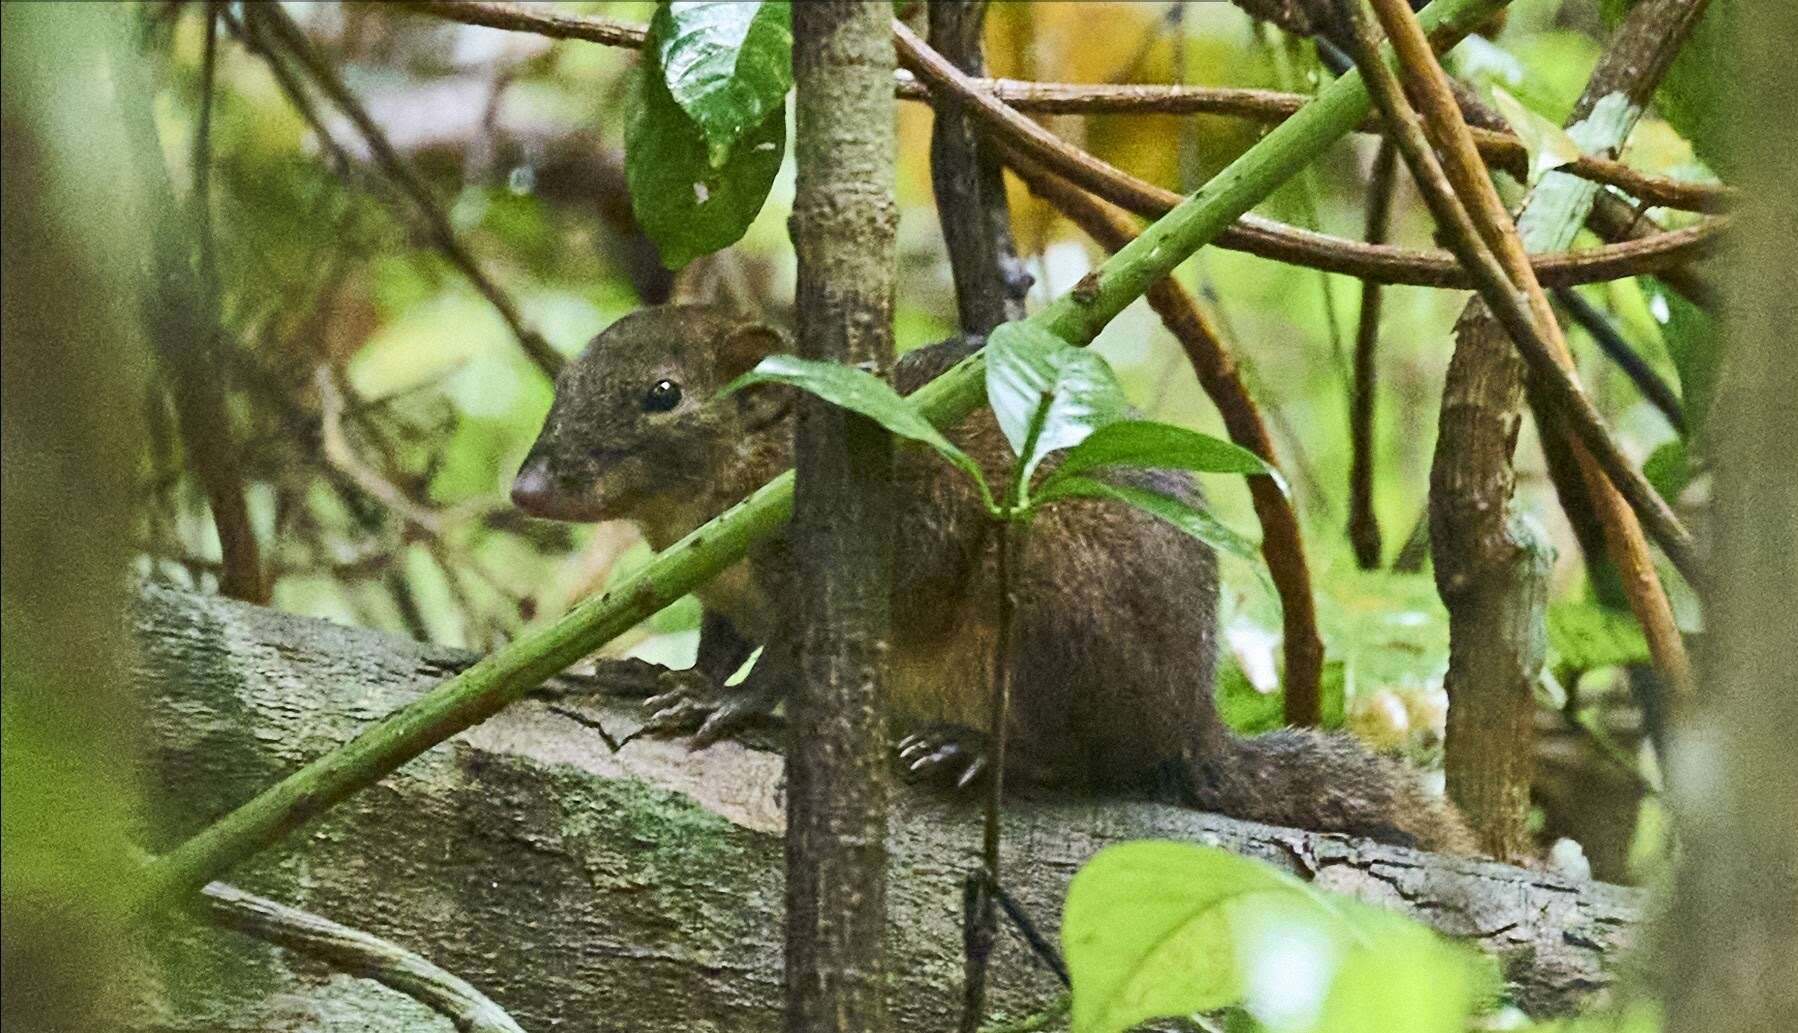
685,204
1178,512
863,393
1046,394
1157,929
1152,445
727,63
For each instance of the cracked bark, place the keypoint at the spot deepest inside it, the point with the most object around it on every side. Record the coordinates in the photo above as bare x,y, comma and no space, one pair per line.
567,882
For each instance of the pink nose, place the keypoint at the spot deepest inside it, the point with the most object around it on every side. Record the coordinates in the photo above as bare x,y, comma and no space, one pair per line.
533,490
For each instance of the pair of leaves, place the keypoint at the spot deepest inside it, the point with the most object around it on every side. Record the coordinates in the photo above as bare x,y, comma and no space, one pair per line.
1158,929
706,131
1048,396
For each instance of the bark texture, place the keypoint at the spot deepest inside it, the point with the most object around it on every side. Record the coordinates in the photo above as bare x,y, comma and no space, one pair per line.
1734,934
1491,571
642,890
843,226
990,281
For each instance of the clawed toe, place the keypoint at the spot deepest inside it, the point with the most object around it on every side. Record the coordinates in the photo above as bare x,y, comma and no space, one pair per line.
948,756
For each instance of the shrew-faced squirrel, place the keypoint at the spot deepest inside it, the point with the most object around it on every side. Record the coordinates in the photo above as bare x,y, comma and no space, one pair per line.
1116,610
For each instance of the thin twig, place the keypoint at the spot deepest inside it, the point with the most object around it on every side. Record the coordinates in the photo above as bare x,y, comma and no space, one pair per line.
1658,392
1266,237
1256,235
1506,150
358,953
436,224
182,315
1363,522
338,451
1487,241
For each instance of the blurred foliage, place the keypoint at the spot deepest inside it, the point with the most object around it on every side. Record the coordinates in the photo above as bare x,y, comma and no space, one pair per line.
74,253
1159,929
393,513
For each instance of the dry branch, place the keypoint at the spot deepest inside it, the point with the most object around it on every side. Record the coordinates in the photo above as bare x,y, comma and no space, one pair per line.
1662,251
358,953
643,887
289,37
1503,149
1489,573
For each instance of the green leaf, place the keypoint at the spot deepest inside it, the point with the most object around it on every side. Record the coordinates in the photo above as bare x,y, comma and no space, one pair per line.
1178,512
865,394
1548,144
685,204
1586,636
728,64
1047,394
1156,929
1152,445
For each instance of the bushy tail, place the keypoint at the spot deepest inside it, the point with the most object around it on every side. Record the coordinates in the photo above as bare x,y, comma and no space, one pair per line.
1328,782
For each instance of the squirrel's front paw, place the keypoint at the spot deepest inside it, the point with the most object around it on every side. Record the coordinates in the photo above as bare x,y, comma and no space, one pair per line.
947,755
691,702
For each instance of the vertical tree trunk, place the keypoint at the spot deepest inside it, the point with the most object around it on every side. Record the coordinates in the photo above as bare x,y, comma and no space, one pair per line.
1491,570
72,377
1735,954
843,229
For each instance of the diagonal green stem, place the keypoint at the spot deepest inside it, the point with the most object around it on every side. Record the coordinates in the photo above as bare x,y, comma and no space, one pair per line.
505,676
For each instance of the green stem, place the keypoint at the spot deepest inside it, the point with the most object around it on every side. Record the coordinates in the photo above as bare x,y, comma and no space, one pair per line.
506,675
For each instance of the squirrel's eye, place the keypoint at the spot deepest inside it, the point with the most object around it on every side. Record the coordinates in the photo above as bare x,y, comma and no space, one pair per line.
663,396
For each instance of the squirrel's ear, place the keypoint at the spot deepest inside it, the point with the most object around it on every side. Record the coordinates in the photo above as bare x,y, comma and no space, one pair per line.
746,345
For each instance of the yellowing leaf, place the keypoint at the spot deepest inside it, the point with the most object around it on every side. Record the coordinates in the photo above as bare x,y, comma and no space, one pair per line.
1548,145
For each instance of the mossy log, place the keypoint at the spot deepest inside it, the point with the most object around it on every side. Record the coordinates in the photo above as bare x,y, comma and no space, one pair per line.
640,889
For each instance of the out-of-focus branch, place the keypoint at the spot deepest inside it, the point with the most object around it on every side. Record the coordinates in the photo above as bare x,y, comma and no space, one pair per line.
183,319
1363,524
358,953
1658,392
282,30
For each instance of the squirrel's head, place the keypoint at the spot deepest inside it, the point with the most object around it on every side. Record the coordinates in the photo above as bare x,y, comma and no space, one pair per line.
637,430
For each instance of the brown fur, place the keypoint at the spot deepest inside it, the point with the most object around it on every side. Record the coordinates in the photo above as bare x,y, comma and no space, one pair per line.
1116,610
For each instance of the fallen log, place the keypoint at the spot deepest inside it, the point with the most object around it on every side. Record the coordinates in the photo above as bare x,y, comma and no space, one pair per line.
640,889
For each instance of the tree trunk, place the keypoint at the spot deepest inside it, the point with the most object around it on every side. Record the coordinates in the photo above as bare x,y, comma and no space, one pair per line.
844,219
1733,938
73,381
641,890
1490,570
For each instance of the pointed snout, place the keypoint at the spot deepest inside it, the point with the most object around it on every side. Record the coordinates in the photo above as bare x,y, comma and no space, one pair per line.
534,489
